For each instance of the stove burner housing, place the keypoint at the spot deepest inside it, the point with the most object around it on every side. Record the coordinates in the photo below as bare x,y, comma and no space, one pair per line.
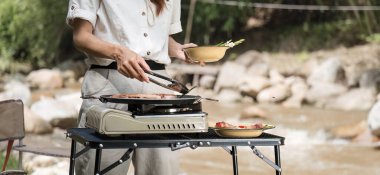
148,118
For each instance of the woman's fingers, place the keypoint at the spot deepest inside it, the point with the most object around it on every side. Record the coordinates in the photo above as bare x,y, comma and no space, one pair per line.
141,74
143,64
189,45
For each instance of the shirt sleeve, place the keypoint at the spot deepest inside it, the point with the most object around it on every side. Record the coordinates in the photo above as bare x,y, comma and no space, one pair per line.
83,9
175,26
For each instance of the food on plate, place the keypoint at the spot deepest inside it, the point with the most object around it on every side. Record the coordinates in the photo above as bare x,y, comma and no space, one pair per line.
145,96
231,44
226,125
225,129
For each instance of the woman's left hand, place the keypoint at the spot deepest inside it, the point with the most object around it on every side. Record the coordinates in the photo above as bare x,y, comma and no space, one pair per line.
177,50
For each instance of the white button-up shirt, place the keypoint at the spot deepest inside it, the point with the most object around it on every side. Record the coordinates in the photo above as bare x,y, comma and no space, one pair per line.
130,23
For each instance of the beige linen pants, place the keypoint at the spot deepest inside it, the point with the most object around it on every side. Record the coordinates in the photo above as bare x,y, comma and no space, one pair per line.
160,161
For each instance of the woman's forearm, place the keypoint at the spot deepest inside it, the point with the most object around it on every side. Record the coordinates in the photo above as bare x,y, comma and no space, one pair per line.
85,41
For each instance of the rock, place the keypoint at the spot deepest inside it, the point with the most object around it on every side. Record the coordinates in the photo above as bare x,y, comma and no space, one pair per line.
308,67
252,85
365,137
78,67
229,95
45,79
355,99
69,78
64,123
207,81
274,94
229,76
374,119
298,90
258,69
54,110
71,98
275,77
16,90
253,112
321,93
41,161
349,131
330,71
370,79
35,124
248,58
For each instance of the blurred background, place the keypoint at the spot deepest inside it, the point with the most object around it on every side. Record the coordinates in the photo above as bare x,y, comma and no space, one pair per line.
309,67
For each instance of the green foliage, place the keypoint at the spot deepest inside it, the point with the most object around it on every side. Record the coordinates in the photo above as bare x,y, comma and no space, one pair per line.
30,30
373,38
214,23
12,162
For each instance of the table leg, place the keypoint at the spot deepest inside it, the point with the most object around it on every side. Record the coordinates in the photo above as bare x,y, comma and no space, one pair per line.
72,157
98,158
234,160
277,158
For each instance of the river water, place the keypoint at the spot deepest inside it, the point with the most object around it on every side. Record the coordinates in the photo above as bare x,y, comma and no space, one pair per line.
308,149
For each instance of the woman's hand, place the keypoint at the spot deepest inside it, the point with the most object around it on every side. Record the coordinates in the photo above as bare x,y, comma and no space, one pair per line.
130,64
177,50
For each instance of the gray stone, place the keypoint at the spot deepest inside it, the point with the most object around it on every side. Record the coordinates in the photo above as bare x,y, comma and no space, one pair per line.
275,77
78,67
229,76
207,81
330,71
298,90
253,112
374,119
258,69
252,85
308,67
54,110
45,79
248,58
229,95
320,94
274,94
16,90
370,79
35,124
355,99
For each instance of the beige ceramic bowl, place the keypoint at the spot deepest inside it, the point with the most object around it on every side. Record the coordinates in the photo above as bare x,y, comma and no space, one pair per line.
206,53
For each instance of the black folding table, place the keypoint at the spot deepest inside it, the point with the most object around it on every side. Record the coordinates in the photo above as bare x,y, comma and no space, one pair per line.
92,140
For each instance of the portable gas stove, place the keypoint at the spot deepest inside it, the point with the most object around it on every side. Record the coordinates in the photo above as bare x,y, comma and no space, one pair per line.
182,114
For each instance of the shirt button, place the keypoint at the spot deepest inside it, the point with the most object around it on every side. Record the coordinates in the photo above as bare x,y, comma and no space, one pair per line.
148,53
143,13
145,34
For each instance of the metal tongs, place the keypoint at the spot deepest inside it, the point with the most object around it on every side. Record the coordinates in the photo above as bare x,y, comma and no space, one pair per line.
175,85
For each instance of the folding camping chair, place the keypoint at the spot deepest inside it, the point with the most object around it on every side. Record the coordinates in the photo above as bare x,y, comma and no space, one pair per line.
12,128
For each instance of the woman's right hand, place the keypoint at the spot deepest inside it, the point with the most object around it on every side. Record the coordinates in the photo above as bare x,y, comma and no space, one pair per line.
128,62
131,64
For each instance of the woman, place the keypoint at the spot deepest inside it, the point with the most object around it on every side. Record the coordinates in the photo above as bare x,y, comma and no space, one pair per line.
121,39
